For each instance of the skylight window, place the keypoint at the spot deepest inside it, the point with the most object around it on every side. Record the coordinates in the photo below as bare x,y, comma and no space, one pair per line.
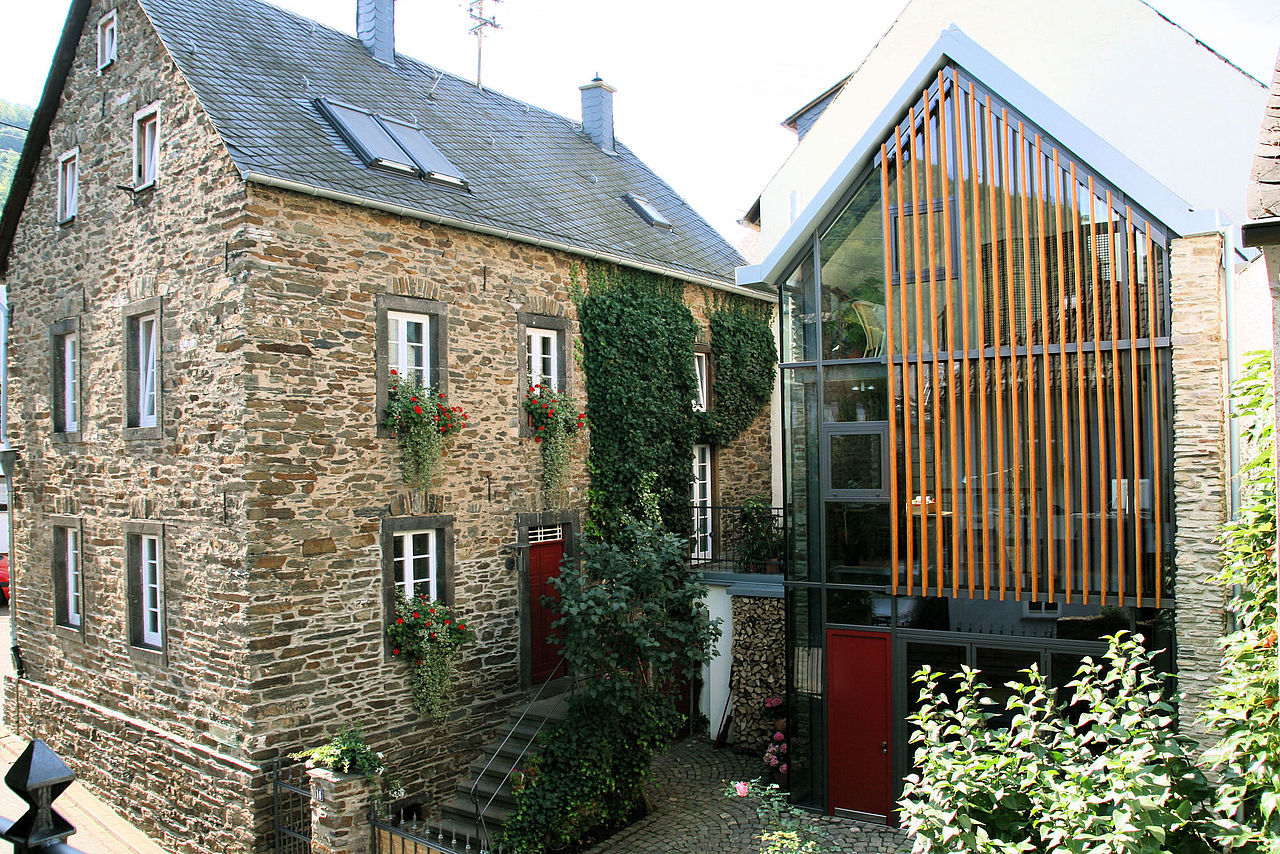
392,144
647,211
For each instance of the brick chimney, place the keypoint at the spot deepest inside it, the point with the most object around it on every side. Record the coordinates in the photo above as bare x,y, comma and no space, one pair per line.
376,27
597,113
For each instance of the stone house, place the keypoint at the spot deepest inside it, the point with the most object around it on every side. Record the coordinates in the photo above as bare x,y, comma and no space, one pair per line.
1008,317
228,226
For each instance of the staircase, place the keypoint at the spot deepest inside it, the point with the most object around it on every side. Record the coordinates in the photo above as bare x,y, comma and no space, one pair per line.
488,782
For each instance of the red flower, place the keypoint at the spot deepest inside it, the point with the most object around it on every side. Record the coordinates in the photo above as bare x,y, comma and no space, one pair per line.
395,652
537,438
417,409
552,412
416,615
461,627
446,622
399,621
442,395
542,428
433,635
444,429
413,400
393,371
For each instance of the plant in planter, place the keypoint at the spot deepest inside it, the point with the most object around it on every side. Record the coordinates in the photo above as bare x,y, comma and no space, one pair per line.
554,420
346,753
429,634
423,422
759,537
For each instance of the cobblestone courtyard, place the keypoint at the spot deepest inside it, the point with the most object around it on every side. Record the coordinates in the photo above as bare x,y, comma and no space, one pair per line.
692,816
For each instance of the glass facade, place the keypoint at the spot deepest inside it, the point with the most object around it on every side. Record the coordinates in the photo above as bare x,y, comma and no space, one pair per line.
975,410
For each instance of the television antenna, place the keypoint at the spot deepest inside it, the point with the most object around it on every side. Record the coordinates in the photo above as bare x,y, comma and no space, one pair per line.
480,23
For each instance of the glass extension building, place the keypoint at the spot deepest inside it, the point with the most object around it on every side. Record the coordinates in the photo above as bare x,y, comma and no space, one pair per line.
977,429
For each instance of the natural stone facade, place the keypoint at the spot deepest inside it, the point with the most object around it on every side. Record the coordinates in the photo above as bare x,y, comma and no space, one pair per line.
269,478
1197,294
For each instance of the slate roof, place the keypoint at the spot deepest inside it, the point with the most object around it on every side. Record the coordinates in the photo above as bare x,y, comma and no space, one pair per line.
258,69
1264,192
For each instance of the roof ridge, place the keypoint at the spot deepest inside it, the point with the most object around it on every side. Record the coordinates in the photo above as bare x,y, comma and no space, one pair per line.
1204,44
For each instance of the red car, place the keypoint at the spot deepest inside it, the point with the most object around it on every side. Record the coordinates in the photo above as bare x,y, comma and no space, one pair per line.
4,580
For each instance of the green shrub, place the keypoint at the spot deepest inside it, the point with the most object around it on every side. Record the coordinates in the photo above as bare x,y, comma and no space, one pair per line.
632,622
346,753
1108,773
1245,711
746,362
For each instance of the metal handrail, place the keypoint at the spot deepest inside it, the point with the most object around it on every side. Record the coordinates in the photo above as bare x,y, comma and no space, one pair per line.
482,829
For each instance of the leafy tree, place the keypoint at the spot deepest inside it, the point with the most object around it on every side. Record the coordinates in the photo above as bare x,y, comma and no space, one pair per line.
1108,773
1245,710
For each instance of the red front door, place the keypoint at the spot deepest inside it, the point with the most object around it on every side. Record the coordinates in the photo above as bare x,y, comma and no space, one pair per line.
544,565
858,722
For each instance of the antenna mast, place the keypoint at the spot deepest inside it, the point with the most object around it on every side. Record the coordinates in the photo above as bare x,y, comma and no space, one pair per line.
475,8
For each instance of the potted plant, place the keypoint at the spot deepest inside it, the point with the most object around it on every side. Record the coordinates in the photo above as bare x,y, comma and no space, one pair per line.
423,421
429,634
759,537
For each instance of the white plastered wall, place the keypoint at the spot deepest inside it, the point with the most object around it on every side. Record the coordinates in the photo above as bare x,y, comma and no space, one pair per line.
1180,112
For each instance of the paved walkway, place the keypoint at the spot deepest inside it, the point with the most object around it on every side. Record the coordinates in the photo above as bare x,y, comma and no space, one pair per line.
692,816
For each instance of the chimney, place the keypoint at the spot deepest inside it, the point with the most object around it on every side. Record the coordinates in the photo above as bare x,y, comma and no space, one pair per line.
597,113
376,27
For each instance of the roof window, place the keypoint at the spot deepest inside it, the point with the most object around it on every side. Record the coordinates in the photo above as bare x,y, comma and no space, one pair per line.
647,211
392,144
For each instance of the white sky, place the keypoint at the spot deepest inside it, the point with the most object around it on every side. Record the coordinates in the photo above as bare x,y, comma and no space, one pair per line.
702,84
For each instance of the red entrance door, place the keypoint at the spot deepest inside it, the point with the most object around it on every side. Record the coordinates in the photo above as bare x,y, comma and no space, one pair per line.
544,565
858,723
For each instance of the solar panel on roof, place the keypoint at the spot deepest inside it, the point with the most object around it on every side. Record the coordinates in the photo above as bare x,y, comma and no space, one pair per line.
429,159
369,138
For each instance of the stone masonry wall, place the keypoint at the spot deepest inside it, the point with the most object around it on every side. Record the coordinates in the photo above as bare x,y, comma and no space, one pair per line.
324,481
759,669
1199,464
122,248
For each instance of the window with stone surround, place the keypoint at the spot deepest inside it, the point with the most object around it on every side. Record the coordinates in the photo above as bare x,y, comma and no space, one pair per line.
146,146
142,361
68,185
144,558
64,391
417,558
542,350
68,584
411,340
107,30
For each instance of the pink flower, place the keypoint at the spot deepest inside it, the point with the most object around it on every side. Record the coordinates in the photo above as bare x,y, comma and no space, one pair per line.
742,789
777,736
783,767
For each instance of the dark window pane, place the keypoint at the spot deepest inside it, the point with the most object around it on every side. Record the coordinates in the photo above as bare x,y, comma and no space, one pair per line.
855,393
859,608
856,461
801,479
800,315
857,543
920,613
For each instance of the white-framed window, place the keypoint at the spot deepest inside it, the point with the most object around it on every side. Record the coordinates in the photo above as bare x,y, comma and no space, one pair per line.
71,555
146,146
67,576
701,500
107,30
700,370
409,346
68,184
148,349
414,563
152,594
69,344
544,357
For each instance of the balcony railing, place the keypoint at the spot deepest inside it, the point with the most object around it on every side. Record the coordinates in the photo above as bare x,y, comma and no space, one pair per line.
745,538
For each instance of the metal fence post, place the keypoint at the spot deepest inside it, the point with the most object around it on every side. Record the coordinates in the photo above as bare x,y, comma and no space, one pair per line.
39,777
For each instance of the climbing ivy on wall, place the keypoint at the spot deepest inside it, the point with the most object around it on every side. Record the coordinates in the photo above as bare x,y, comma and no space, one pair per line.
746,361
637,355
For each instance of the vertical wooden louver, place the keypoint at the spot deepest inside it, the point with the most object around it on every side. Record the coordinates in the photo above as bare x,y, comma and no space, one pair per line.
1027,338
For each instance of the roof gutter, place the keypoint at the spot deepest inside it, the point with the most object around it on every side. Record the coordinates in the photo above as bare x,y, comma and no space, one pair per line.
412,213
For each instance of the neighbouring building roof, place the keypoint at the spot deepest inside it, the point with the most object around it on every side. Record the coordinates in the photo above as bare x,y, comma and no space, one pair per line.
1264,191
531,175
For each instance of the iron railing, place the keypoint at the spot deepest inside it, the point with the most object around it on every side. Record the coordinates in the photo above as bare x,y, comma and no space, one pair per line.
419,837
291,801
745,538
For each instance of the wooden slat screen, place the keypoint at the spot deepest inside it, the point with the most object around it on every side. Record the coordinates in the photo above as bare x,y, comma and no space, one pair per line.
1028,345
